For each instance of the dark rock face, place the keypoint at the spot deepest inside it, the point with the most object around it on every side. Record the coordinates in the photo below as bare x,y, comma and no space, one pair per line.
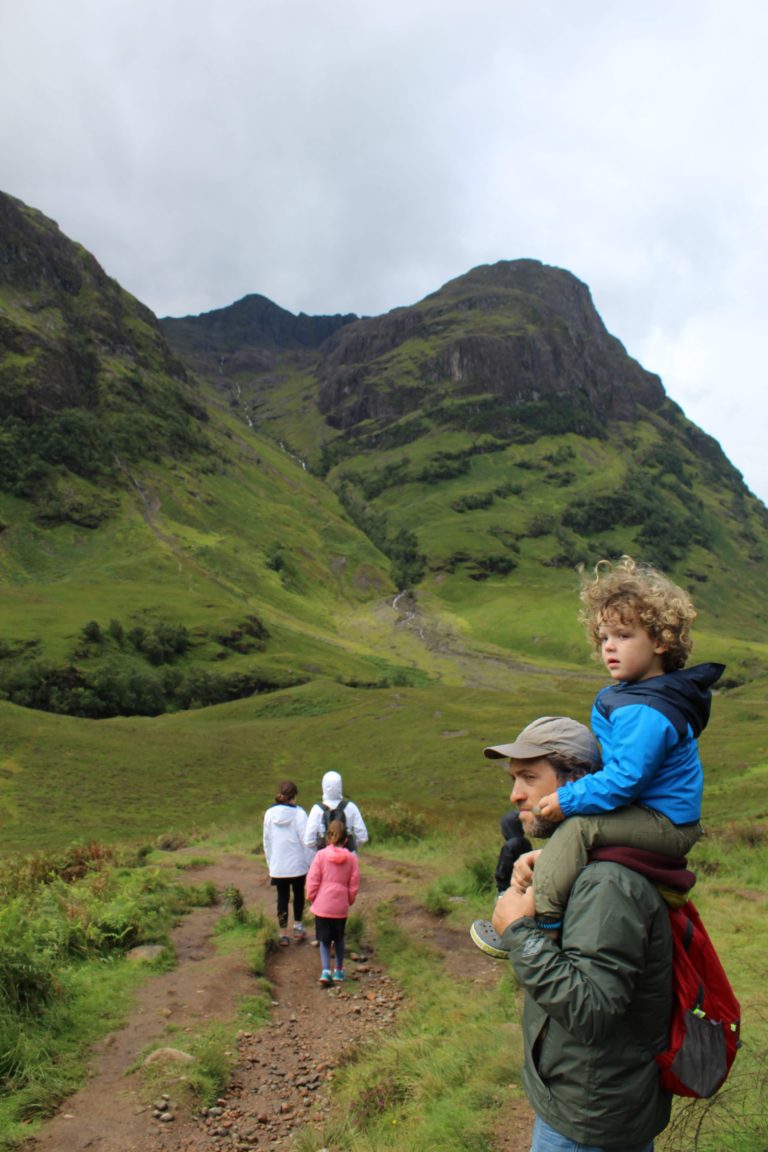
517,330
253,322
88,383
74,316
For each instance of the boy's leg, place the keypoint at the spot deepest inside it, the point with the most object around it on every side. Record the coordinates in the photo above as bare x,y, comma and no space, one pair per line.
568,850
556,869
639,827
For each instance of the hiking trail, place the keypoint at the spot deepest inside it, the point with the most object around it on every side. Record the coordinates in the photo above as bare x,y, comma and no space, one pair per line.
282,1079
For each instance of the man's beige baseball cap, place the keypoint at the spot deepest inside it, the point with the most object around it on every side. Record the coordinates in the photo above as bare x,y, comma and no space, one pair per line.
550,734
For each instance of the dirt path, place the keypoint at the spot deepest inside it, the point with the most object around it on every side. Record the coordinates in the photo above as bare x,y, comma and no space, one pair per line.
283,1072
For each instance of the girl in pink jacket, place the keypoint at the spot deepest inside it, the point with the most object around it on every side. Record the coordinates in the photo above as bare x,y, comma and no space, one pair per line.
332,885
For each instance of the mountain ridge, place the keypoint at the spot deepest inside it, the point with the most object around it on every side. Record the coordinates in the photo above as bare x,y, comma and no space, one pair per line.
291,473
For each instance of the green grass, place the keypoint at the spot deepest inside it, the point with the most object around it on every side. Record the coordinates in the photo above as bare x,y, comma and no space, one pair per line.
51,1055
66,921
433,1082
220,765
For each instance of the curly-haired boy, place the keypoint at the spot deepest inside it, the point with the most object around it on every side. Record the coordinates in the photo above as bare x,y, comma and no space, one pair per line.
648,793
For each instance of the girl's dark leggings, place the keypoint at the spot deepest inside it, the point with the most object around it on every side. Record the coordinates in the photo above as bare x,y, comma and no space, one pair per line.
284,886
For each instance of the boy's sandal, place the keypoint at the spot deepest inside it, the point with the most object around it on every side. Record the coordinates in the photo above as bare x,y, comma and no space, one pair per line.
488,940
284,941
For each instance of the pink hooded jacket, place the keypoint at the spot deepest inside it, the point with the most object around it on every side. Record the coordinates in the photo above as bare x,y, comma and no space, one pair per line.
333,882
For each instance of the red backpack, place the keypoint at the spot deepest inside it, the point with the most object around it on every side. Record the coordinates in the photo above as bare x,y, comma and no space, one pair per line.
704,1029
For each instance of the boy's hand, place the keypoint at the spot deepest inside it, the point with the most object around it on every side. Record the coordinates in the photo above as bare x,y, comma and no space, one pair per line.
522,873
511,906
549,808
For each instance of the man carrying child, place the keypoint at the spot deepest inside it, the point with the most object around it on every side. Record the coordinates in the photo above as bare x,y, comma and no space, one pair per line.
597,1005
591,945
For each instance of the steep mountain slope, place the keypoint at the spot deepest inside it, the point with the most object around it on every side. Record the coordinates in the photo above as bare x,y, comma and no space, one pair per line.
87,381
496,434
154,553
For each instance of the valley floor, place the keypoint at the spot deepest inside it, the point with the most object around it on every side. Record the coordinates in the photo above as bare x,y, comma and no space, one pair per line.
282,1081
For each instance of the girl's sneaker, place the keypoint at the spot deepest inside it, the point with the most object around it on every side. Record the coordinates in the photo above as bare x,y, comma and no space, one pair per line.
325,978
339,975
488,940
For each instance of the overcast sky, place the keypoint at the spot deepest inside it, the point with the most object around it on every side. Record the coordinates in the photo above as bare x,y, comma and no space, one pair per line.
354,155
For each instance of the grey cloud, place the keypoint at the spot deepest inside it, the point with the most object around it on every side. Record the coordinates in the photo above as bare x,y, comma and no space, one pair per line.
353,157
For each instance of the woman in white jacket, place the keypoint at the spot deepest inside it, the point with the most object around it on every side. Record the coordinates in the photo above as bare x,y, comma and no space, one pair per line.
285,824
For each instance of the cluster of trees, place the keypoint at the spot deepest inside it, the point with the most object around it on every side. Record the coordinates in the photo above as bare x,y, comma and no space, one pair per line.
86,443
113,689
160,644
408,563
132,671
668,527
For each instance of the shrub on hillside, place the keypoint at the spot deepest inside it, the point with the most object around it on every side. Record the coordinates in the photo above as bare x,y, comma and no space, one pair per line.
51,930
252,634
395,822
481,567
408,563
473,501
28,952
444,466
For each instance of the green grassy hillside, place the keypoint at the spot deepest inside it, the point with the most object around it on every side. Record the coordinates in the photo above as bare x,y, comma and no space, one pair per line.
136,778
200,572
246,560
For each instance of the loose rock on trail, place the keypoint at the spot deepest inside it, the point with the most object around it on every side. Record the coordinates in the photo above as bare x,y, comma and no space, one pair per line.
283,1072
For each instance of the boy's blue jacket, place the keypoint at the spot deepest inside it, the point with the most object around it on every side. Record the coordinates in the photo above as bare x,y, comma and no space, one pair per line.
647,731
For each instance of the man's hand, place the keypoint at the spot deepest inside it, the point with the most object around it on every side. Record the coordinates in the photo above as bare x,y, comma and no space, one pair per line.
522,873
549,808
511,906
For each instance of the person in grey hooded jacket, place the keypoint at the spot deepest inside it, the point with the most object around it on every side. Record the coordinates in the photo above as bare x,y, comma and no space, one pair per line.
332,797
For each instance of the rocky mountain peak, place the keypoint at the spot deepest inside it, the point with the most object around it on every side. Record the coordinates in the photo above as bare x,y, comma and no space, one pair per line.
517,330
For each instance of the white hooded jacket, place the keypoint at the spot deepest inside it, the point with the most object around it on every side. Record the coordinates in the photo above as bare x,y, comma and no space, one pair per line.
332,795
284,848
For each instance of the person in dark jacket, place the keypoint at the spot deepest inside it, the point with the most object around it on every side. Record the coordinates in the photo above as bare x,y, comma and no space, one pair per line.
515,844
598,1002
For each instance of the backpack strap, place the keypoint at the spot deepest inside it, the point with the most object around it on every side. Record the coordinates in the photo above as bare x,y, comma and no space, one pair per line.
685,942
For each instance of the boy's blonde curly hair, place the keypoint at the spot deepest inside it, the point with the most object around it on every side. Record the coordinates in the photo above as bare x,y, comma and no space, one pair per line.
632,592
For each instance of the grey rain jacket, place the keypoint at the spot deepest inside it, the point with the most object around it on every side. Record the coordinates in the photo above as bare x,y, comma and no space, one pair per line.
597,1009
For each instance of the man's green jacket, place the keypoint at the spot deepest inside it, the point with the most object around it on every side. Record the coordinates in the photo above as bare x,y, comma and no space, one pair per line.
597,1009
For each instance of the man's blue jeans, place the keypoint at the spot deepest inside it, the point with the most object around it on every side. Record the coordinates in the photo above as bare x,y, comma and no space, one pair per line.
545,1139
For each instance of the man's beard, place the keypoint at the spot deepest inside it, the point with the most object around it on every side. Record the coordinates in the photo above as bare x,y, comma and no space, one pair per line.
539,827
